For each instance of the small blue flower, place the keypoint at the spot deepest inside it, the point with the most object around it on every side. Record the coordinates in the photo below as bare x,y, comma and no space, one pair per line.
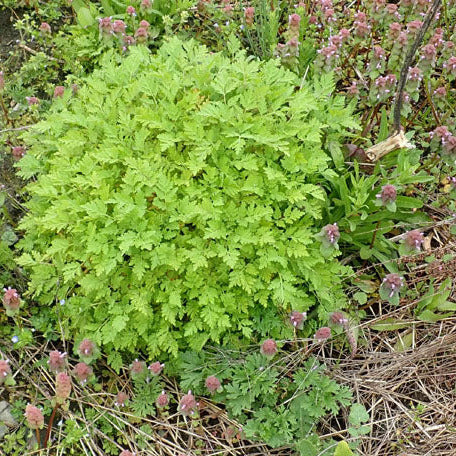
15,339
62,302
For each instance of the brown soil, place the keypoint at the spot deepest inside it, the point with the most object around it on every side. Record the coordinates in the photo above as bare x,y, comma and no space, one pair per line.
8,35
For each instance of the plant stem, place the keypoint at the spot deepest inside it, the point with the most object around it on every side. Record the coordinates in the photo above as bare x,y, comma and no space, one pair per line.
416,113
48,430
434,113
24,127
37,432
374,235
370,120
8,216
5,111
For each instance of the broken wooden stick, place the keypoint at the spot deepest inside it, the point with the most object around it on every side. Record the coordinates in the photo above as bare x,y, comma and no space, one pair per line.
397,141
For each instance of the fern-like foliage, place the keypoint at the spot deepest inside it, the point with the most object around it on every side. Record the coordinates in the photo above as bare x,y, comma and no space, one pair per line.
274,406
176,195
146,393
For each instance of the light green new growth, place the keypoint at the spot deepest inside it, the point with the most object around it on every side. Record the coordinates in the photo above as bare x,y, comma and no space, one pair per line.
176,193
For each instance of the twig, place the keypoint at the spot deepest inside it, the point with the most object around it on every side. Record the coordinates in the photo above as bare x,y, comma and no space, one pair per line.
426,228
32,51
370,120
407,62
24,127
397,141
360,76
374,235
417,111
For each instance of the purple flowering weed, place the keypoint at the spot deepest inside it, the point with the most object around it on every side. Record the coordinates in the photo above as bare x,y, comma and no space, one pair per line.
297,319
34,417
391,287
188,405
213,384
162,400
268,348
323,333
156,368
57,361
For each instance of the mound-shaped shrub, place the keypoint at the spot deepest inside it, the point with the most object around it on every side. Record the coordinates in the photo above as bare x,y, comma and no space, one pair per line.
176,195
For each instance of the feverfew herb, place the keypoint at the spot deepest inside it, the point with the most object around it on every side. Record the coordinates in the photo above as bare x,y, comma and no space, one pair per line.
177,195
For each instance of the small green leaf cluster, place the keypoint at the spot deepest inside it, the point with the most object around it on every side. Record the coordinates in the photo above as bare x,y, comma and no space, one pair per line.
176,195
274,406
146,394
358,416
434,305
365,225
343,449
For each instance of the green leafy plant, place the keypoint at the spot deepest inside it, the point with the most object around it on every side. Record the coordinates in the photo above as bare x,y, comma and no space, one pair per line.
176,194
107,24
146,394
261,35
273,405
363,221
434,305
343,449
6,265
358,416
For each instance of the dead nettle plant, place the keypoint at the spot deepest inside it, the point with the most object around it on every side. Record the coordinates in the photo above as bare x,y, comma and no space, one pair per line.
145,381
378,196
34,415
376,55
